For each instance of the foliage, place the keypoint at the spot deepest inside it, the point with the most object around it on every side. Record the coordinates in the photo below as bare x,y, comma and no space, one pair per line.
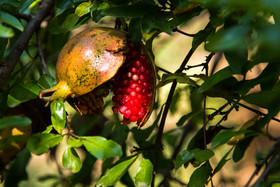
246,33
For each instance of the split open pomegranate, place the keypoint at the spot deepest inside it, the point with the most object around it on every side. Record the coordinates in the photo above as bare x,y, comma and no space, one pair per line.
99,60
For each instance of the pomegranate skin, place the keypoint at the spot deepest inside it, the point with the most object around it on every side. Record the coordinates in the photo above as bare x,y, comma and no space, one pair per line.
87,60
92,62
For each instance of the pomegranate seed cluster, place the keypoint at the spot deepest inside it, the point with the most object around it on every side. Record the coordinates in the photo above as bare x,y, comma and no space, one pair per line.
133,87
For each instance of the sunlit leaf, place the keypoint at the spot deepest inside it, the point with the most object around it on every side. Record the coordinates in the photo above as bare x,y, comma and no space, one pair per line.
71,160
100,147
58,115
41,142
116,172
6,32
144,174
74,142
83,8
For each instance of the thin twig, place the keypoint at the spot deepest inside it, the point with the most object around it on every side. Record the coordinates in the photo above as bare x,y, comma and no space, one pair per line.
216,62
163,70
41,54
7,67
204,123
184,33
211,116
206,67
158,143
256,111
260,165
268,168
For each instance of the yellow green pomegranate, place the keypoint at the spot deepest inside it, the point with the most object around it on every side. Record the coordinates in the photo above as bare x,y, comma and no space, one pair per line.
101,59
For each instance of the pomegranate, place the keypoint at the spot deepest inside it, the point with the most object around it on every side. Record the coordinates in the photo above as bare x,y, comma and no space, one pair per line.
101,59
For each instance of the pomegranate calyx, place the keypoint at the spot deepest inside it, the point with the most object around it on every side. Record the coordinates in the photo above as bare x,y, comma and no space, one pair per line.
61,90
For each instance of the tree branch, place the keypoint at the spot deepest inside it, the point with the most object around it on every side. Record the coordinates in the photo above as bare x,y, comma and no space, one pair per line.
158,143
41,54
7,67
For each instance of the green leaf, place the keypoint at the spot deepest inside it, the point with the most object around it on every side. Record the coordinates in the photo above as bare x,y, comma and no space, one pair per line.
144,174
157,20
216,78
185,117
271,97
61,5
22,93
200,176
63,22
241,147
10,20
48,129
120,133
237,59
12,121
224,136
227,39
116,172
201,37
101,148
71,160
46,82
83,8
131,11
134,30
182,158
58,115
202,156
18,169
74,142
179,77
6,32
141,135
41,142
222,162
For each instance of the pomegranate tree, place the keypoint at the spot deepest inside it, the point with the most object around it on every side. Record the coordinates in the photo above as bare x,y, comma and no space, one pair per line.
98,60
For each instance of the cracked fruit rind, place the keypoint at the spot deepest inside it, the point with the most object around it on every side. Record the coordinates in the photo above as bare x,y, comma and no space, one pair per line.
99,59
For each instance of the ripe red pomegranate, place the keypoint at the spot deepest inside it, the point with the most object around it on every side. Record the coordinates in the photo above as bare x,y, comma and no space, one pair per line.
97,60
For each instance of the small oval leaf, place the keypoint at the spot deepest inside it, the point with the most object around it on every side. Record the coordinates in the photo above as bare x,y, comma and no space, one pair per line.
71,160
58,115
83,8
183,157
144,174
101,148
200,176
